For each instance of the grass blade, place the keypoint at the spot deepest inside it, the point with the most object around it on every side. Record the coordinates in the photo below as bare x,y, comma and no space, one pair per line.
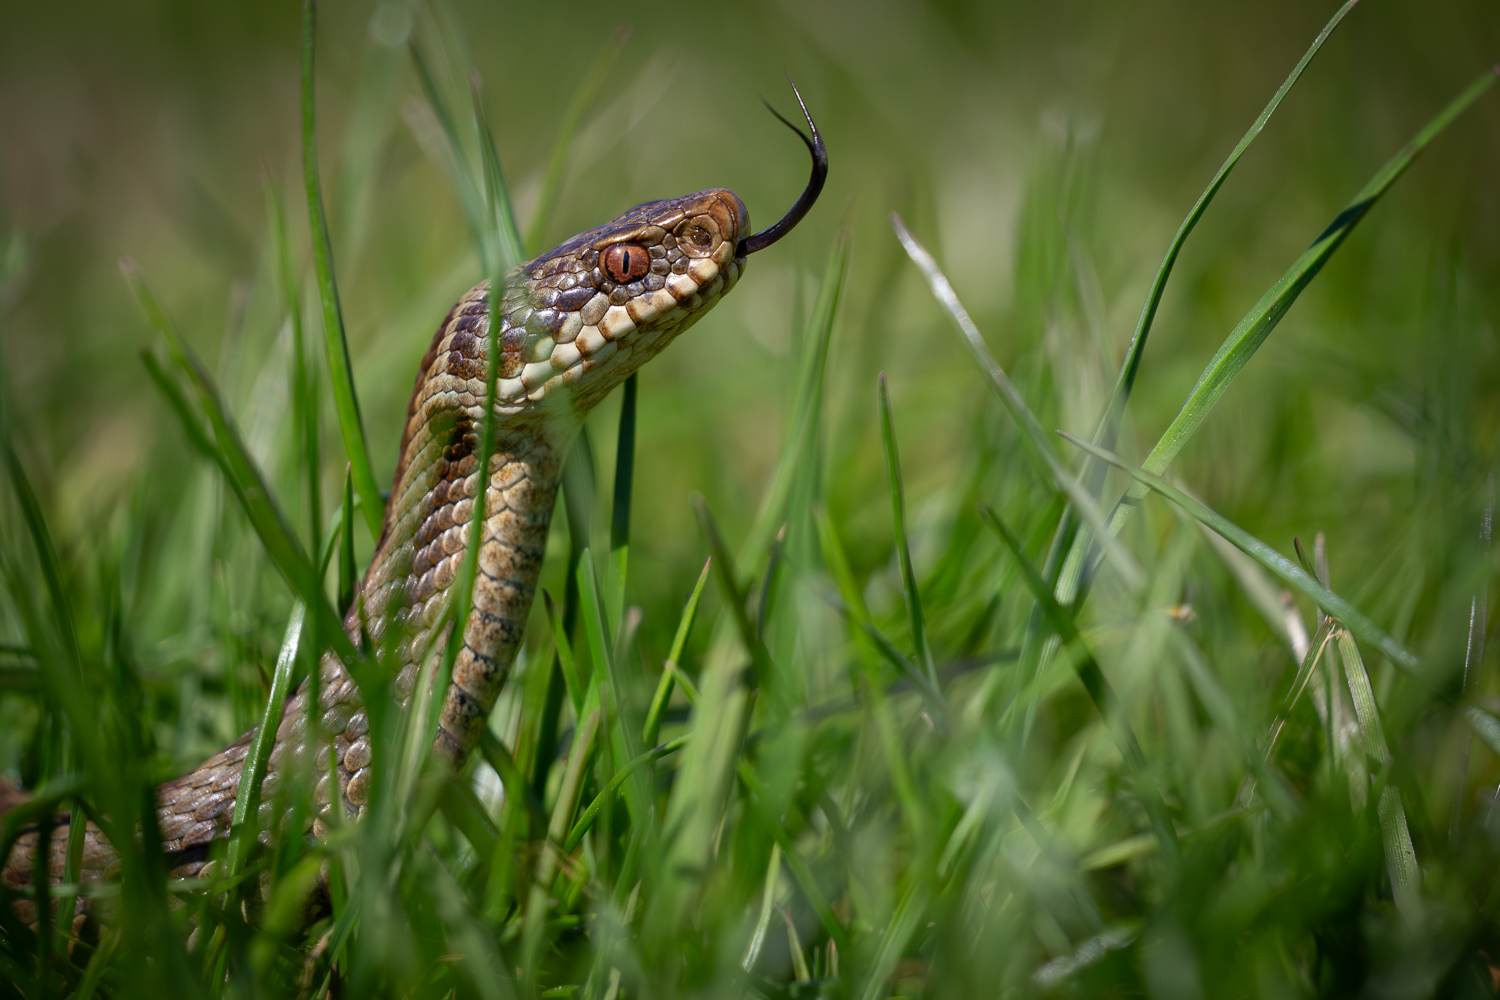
903,549
340,368
1372,734
734,597
587,817
1400,855
463,584
1010,397
567,129
910,909
1486,727
564,653
619,522
304,385
1094,682
801,873
1320,640
1131,366
456,163
807,414
1257,324
504,234
348,574
245,479
874,689
663,693
1262,553
767,904
72,866
247,798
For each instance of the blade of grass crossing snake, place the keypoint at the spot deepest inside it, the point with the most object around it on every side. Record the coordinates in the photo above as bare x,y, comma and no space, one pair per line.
243,824
340,368
304,386
567,130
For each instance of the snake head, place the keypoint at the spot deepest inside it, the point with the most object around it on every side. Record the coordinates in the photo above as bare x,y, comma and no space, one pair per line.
584,315
579,319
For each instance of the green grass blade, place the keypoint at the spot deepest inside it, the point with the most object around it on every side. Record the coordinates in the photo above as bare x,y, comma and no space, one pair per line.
1258,323
501,217
1095,683
1486,727
1400,856
1010,397
591,813
42,886
767,905
663,693
613,693
1131,366
304,385
923,682
340,368
348,574
462,587
1372,734
619,522
579,757
498,757
1315,649
903,549
567,129
596,631
873,685
247,799
1268,557
462,808
456,165
734,597
893,940
807,414
46,554
564,653
578,500
244,476
801,873
701,792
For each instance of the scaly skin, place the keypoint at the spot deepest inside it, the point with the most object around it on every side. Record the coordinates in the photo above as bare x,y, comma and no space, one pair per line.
569,335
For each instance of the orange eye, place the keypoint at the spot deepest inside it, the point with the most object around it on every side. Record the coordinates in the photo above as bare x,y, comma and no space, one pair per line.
626,262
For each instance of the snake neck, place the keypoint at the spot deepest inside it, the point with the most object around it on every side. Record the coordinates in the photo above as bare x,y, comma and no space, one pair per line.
410,581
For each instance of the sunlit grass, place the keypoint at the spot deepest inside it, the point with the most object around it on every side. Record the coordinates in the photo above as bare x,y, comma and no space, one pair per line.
961,733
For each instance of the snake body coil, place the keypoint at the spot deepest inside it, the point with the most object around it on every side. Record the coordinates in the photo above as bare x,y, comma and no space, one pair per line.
575,322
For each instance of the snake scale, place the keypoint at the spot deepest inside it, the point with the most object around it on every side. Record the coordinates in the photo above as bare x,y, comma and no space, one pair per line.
576,321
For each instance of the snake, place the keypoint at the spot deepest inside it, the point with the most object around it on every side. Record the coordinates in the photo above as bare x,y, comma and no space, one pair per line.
574,323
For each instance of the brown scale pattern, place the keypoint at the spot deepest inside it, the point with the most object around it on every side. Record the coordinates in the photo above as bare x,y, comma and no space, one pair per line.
550,303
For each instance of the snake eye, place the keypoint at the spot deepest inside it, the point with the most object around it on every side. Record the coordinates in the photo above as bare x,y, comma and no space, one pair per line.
626,262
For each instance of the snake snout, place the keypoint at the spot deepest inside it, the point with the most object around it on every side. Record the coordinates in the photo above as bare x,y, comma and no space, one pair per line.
732,215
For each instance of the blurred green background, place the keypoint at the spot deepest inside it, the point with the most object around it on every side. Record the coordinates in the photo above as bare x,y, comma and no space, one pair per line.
1046,153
